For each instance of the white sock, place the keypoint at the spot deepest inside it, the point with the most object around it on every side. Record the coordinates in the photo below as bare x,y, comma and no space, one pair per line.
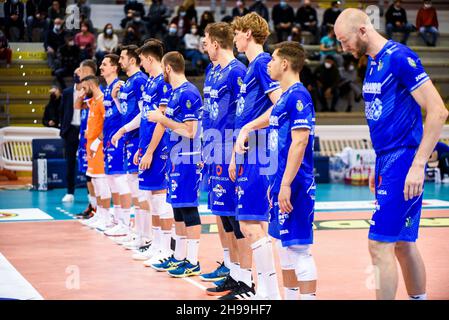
125,218
193,246
264,261
147,226
308,296
235,271
291,293
418,297
140,222
226,258
115,212
246,276
181,247
156,237
93,201
165,241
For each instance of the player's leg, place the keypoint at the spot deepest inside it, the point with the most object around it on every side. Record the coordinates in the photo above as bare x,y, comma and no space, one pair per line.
124,212
385,269
115,198
141,215
291,283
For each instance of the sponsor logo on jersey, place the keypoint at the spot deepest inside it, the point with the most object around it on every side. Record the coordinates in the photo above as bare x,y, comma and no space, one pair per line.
421,76
219,190
219,170
411,62
372,87
299,106
273,140
373,109
174,185
188,104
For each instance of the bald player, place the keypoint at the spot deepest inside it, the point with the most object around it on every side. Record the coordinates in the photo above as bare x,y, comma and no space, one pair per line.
395,89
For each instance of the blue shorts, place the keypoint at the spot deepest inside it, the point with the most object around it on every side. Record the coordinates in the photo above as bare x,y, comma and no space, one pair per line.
81,156
154,178
251,189
394,219
183,185
296,227
131,147
114,158
222,197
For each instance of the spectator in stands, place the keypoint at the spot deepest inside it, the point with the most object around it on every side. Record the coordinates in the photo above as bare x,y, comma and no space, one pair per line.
84,8
14,14
307,78
260,8
283,18
55,11
107,42
132,36
68,58
240,9
307,18
183,24
193,52
88,21
5,51
328,78
135,6
51,112
330,15
36,11
85,40
295,35
171,40
349,88
157,19
329,45
54,39
427,23
206,18
442,155
138,24
191,14
128,18
396,21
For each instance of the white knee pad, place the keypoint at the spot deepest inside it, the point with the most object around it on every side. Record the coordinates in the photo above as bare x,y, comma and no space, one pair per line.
133,182
101,188
305,267
111,182
286,258
121,183
160,207
142,196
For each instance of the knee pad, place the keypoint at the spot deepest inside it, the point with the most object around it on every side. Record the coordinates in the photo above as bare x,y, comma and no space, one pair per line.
133,182
177,214
236,228
191,216
122,184
305,267
112,185
160,206
101,188
141,196
286,258
227,226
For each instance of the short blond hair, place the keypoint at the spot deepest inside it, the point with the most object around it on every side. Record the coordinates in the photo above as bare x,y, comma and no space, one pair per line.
254,22
222,33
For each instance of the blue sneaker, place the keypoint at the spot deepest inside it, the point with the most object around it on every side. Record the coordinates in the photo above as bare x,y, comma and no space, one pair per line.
167,265
220,273
185,269
219,282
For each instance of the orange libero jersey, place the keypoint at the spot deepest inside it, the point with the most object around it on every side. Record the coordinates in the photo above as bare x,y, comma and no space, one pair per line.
95,166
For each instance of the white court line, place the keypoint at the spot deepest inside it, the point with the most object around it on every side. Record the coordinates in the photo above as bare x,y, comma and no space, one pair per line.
196,284
13,285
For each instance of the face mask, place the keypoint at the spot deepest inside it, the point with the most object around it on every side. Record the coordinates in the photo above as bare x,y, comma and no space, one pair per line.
137,19
194,31
172,30
15,1
335,9
182,14
71,43
427,5
108,32
328,65
56,28
351,67
53,96
76,78
239,3
283,4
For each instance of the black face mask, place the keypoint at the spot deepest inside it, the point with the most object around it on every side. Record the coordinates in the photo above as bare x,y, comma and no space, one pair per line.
76,78
53,96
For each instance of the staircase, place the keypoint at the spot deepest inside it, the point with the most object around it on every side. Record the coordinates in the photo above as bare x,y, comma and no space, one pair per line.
26,83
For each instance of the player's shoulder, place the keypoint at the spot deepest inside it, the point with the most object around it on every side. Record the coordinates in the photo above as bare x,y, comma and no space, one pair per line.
400,54
262,60
299,93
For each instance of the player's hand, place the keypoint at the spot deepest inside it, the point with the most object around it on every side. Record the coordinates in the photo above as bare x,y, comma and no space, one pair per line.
116,88
284,199
372,184
145,161
117,136
136,158
155,115
232,170
90,154
414,182
241,140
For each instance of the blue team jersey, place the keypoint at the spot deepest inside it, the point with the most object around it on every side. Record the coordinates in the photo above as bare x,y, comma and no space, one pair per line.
113,118
209,79
254,101
129,97
293,110
224,94
157,92
184,105
394,117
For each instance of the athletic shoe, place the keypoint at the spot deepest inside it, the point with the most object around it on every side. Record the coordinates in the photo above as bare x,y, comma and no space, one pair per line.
68,198
220,273
86,214
133,244
240,292
169,264
158,257
219,282
122,240
186,269
118,231
144,247
145,253
226,287
90,221
105,225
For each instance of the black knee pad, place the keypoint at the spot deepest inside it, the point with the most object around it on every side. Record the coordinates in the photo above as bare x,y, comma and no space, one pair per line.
227,225
236,227
88,179
178,215
191,216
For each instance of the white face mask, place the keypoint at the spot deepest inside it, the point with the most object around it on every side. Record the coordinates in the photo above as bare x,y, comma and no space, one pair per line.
351,67
427,5
328,65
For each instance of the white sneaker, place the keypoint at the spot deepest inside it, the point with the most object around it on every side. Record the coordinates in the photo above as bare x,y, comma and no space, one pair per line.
90,221
159,257
128,238
118,231
145,255
133,245
105,225
68,198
